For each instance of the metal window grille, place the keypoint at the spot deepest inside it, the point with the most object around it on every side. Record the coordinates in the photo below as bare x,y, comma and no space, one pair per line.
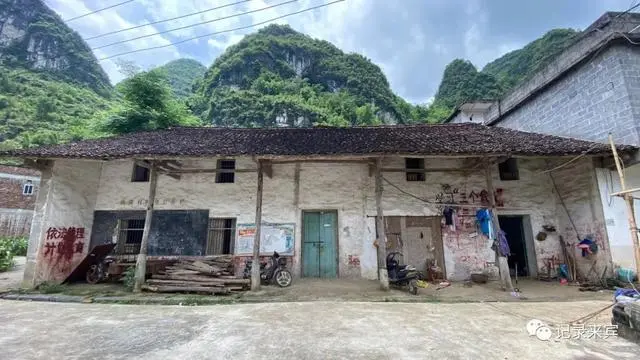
226,177
27,189
414,164
130,236
222,236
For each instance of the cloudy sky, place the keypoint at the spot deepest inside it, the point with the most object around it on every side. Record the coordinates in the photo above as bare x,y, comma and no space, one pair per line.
412,40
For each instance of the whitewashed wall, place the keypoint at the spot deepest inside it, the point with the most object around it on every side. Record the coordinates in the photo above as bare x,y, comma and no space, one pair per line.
615,213
66,200
345,187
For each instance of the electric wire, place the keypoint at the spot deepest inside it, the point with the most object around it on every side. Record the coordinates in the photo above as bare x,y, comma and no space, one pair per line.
193,25
165,20
221,32
97,11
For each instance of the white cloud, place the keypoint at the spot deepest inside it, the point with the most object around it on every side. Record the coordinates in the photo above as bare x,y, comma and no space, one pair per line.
411,40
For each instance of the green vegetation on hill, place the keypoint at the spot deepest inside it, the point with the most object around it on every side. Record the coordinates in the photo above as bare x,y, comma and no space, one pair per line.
37,109
279,76
182,74
461,80
35,37
516,66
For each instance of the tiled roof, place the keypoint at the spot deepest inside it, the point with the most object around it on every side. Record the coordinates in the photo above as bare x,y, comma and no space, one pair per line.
444,139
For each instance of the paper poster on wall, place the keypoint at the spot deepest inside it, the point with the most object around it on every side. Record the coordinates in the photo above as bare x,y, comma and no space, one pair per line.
273,237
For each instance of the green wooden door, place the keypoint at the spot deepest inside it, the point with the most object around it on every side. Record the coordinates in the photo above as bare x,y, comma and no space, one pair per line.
319,252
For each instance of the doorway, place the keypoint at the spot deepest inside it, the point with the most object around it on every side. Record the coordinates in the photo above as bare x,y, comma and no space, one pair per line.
519,236
320,244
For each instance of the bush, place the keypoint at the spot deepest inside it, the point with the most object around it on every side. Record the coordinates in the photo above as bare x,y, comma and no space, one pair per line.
6,257
17,245
51,288
129,278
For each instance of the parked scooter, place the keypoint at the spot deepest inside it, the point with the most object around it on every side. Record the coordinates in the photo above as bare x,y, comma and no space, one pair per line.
272,272
402,275
98,271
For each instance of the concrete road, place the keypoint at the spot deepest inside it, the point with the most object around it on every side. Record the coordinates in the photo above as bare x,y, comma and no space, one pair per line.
310,330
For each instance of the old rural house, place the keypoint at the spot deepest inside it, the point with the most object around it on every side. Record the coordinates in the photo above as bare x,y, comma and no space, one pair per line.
589,90
18,191
319,196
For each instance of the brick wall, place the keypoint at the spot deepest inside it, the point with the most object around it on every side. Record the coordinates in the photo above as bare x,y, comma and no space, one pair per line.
599,97
16,209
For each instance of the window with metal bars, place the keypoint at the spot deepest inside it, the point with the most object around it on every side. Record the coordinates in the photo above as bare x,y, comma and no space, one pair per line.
414,164
130,236
222,236
226,177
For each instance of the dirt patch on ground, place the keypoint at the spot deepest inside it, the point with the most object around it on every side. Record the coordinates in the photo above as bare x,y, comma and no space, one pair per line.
12,279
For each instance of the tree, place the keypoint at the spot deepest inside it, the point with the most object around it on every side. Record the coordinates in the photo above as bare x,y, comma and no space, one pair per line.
148,105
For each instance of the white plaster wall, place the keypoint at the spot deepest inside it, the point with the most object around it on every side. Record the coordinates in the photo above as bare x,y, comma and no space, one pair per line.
465,251
67,199
347,188
578,187
338,187
615,213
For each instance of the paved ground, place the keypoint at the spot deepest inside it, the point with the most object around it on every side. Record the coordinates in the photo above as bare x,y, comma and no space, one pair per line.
13,278
309,330
364,290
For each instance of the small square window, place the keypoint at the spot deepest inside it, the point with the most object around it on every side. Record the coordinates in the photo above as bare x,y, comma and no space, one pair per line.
414,164
227,176
140,174
27,188
509,170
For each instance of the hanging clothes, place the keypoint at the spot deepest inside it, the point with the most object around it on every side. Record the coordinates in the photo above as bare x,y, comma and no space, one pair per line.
450,217
483,218
502,244
448,213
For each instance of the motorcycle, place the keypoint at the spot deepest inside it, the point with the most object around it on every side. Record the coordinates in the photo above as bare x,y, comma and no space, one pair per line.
402,275
98,271
272,272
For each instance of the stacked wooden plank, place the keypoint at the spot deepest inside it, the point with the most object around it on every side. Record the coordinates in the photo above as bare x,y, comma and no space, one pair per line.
212,275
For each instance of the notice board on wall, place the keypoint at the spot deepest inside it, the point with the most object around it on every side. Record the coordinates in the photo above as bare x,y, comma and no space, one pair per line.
273,237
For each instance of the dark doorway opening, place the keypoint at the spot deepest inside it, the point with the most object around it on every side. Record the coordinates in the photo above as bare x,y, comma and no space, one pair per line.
513,226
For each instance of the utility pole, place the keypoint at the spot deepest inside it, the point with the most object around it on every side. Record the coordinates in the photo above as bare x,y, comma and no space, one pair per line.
141,262
382,244
628,199
255,266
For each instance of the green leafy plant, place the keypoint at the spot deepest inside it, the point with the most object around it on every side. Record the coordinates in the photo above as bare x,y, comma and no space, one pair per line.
6,257
51,288
129,277
17,245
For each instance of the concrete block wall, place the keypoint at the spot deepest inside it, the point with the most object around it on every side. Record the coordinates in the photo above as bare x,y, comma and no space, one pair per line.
600,97
596,35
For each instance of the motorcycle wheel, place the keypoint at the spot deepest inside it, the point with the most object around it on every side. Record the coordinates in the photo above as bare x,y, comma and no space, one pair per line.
283,278
413,287
93,274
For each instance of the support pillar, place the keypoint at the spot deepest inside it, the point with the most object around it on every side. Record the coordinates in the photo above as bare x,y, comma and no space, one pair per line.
501,261
382,244
255,266
141,262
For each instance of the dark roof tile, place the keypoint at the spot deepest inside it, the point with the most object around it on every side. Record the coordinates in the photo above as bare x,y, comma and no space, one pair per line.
445,139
